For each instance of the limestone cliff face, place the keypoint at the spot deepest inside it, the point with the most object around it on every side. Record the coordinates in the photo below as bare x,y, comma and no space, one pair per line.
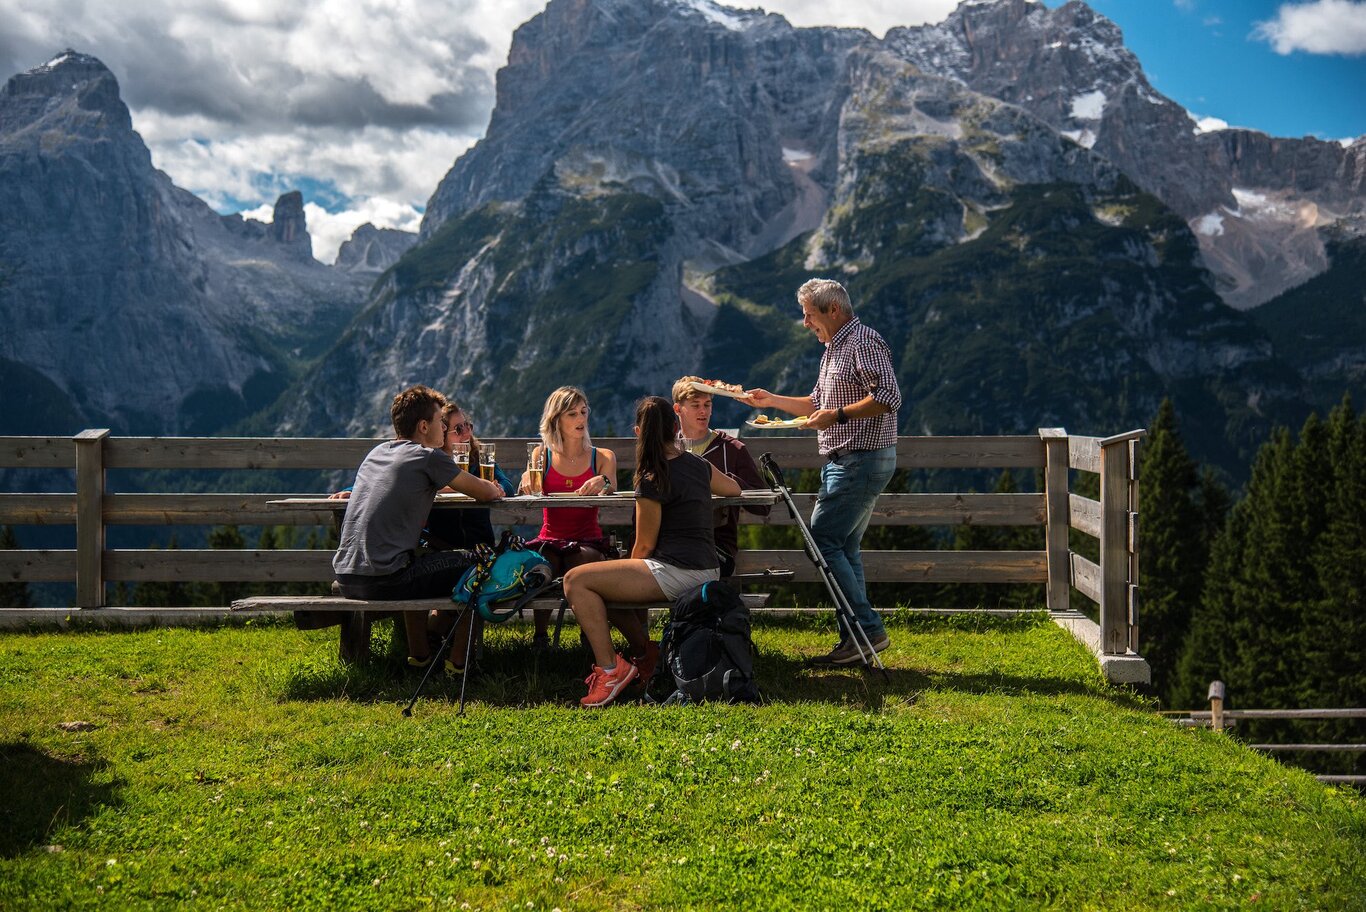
659,176
143,308
1069,67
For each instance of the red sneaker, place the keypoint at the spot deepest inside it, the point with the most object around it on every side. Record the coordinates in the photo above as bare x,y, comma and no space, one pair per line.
603,686
647,663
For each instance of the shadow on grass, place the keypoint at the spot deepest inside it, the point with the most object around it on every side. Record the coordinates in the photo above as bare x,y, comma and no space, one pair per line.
509,674
43,793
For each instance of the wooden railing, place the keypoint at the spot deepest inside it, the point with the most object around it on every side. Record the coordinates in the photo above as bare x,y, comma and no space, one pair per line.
1220,719
92,509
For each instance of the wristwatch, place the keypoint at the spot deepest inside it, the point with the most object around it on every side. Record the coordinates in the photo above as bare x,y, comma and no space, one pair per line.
606,482
840,416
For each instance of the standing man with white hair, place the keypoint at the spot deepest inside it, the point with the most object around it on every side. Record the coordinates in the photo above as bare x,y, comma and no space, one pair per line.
853,407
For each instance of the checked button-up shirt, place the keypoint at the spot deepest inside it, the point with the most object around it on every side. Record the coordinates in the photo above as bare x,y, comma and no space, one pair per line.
857,363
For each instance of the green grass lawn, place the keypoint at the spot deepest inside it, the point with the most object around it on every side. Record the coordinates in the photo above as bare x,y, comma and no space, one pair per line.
244,767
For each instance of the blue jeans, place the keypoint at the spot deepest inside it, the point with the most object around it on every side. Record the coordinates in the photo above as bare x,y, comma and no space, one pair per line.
849,490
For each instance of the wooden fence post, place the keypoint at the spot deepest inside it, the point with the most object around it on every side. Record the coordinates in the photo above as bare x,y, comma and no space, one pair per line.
1135,448
1058,521
90,518
1216,705
1114,548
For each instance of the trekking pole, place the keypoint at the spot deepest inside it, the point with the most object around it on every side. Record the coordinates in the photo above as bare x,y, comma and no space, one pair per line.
844,611
481,573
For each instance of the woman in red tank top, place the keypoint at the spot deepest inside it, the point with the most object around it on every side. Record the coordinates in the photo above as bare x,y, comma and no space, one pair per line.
570,536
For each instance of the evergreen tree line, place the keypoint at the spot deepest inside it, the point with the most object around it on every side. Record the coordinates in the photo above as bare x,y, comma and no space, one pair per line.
1270,599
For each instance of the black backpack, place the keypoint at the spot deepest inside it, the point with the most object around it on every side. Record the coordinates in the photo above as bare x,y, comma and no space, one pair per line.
706,649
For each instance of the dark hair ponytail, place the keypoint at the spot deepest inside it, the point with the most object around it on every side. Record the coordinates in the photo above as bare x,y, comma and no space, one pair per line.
656,438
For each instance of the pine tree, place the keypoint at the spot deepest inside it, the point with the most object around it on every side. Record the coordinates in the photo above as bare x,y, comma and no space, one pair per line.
1173,547
13,593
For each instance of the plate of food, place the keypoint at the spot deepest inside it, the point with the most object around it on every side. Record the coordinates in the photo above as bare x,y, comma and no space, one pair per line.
720,388
764,422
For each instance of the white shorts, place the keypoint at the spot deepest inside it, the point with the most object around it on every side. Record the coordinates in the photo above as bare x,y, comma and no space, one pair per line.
676,580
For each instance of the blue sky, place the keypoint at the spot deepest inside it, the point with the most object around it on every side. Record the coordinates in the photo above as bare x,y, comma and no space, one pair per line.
1205,55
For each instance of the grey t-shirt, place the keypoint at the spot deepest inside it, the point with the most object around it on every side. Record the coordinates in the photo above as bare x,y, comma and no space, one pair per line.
389,503
686,524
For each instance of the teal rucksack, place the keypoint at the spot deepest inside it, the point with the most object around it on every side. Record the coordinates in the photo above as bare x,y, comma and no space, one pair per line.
506,576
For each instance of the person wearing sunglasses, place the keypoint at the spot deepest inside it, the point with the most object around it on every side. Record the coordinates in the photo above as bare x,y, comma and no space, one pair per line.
465,528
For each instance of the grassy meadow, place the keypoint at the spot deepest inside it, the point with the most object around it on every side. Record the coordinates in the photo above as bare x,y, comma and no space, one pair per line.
244,767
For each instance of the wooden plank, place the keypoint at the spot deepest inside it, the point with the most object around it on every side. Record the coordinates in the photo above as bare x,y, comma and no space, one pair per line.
1343,748
90,517
1352,713
1084,514
1020,452
1114,549
914,566
1055,533
928,510
316,566
38,509
792,452
237,452
38,566
208,566
1086,577
1083,453
37,453
207,509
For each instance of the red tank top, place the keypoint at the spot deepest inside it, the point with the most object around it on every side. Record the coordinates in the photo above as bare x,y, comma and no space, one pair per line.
570,523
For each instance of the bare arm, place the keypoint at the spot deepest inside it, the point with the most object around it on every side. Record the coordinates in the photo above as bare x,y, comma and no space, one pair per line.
723,484
793,405
867,407
476,487
605,481
648,515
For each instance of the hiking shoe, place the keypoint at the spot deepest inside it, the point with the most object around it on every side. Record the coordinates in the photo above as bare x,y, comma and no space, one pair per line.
603,686
847,653
419,664
646,664
453,670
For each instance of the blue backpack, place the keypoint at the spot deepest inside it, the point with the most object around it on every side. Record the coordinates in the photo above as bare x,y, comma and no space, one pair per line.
503,577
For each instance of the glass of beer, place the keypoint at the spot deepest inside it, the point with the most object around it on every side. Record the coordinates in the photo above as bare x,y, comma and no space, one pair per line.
486,461
462,456
535,467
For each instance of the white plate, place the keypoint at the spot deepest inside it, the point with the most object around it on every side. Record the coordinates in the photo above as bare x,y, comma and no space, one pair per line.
798,422
717,391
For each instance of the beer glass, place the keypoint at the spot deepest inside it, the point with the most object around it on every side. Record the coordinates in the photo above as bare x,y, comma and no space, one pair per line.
535,467
462,456
486,462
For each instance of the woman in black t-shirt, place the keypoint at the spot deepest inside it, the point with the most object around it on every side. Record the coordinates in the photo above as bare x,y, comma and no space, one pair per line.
674,551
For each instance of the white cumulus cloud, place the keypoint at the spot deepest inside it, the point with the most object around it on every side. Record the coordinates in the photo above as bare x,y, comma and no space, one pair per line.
1208,124
1317,27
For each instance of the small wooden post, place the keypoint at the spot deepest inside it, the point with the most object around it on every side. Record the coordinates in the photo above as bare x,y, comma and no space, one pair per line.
1055,532
1216,705
90,518
1114,548
1135,448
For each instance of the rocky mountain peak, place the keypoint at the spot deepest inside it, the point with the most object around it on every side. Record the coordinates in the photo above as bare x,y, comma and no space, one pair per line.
289,225
372,250
76,85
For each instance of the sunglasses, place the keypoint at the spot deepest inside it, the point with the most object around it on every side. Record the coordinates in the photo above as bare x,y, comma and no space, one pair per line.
462,427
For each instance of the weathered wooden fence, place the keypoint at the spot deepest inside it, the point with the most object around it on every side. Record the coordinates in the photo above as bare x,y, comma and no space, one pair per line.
92,508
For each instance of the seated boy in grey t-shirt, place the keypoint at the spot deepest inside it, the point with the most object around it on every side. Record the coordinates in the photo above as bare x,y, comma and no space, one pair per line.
377,558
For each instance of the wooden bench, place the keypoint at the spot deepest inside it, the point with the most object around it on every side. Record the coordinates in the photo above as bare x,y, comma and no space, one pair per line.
356,616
